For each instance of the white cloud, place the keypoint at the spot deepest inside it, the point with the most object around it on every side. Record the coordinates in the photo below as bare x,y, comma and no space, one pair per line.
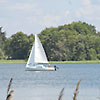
67,12
20,7
3,1
86,2
83,12
51,20
88,11
23,6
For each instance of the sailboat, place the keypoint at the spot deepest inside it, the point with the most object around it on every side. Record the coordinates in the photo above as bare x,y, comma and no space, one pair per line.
37,60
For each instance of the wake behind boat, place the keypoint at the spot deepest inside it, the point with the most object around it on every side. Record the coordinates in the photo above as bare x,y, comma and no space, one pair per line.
37,60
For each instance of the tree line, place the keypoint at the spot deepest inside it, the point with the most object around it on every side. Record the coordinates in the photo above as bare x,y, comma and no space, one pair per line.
70,42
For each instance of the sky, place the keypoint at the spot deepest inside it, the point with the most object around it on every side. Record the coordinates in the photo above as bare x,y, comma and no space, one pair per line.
33,16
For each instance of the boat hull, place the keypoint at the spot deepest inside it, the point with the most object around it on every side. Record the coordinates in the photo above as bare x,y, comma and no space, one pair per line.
39,68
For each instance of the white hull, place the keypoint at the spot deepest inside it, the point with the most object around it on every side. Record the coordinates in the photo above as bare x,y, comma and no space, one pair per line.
39,68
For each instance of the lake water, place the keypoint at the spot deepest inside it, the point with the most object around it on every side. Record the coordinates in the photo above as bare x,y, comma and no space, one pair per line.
47,85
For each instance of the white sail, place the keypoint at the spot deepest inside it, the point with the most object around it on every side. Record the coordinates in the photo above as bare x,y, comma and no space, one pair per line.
37,54
31,57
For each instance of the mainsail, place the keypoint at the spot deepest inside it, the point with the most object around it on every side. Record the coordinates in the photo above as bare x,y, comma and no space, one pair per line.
40,56
37,54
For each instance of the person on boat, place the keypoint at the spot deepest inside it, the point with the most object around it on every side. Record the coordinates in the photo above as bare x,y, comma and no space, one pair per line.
49,66
55,67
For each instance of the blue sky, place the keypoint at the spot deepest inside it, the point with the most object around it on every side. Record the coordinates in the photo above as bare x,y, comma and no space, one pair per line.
32,16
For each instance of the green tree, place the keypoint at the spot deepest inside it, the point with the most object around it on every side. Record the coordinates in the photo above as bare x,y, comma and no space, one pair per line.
75,41
31,41
2,43
92,54
71,42
7,48
19,46
83,28
2,37
1,54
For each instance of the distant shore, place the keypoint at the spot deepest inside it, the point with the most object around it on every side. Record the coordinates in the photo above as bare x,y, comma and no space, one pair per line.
72,62
12,61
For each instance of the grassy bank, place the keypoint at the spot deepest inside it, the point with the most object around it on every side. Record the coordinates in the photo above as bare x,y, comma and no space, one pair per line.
72,62
12,61
24,61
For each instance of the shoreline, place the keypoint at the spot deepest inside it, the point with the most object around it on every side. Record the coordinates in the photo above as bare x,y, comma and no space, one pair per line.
76,62
62,62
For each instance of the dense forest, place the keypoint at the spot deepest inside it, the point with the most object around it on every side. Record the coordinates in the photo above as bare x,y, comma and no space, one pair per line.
72,42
